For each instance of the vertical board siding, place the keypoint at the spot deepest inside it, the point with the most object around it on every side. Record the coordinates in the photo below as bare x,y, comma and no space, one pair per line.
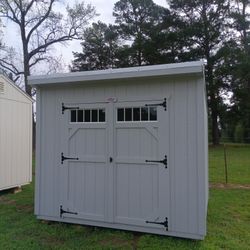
180,155
15,137
48,191
186,152
192,189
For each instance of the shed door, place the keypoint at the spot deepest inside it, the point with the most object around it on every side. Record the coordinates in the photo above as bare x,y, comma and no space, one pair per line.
141,182
119,174
84,138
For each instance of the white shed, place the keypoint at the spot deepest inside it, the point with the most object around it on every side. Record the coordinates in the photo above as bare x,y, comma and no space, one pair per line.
15,135
124,148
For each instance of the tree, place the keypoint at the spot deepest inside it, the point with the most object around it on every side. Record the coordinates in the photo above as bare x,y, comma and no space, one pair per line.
240,68
40,28
99,48
204,26
137,22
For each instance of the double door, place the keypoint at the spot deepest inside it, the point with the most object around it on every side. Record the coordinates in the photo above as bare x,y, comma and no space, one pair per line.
114,162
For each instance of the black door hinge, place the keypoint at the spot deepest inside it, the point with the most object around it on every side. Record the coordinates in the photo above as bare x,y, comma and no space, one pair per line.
62,211
63,158
163,104
68,108
164,223
164,161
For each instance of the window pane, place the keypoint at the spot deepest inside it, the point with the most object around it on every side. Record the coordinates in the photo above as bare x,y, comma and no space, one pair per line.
80,115
144,114
153,114
86,115
120,115
73,116
101,115
128,114
136,114
94,115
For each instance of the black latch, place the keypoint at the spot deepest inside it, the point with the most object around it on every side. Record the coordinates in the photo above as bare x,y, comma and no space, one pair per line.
62,211
163,104
164,223
63,158
164,161
70,108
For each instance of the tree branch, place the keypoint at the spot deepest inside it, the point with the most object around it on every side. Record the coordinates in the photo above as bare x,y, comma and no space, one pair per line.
14,18
42,48
41,20
29,6
11,67
37,60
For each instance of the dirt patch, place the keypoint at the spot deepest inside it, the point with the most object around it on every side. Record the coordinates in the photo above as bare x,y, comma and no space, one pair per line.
229,186
4,200
24,208
20,208
136,239
52,240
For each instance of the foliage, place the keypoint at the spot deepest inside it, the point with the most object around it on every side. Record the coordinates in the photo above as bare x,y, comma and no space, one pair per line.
138,29
99,49
238,67
138,22
239,133
203,25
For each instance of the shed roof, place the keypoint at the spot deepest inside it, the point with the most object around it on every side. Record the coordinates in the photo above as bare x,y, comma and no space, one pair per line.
9,81
195,67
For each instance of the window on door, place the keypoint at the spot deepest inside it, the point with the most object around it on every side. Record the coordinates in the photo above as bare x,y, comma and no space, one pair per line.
136,114
87,115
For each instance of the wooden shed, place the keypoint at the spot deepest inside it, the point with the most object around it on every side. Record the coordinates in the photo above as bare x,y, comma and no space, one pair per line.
124,148
15,135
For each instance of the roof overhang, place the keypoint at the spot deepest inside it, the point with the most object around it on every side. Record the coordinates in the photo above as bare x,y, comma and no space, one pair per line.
187,68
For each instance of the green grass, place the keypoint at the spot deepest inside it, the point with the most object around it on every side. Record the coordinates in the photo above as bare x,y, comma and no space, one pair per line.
238,164
228,220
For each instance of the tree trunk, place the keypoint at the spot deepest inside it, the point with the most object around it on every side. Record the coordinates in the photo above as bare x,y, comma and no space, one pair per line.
28,90
213,102
214,120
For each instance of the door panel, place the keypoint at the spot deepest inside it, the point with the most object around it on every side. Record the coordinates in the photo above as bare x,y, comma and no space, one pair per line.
85,178
138,183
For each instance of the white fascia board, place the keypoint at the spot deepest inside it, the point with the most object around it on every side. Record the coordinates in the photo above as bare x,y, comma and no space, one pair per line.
196,67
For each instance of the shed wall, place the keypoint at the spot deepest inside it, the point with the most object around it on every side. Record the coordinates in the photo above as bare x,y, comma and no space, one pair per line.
15,137
188,178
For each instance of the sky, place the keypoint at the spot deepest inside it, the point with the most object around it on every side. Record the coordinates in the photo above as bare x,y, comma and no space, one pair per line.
103,7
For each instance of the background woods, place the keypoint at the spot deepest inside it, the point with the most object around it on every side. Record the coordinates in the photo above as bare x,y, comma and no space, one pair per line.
145,33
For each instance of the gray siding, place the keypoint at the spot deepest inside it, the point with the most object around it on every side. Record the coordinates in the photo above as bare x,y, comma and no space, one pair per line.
187,144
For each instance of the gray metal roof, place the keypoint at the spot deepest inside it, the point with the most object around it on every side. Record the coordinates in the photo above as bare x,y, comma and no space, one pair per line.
196,67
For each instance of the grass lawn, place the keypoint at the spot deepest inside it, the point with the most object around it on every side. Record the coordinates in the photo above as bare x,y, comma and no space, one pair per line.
228,219
238,161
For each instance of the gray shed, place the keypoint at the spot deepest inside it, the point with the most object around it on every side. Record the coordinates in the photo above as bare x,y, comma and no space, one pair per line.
15,135
124,148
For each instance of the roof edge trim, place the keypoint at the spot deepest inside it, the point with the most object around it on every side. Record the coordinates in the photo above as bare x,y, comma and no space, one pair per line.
195,67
